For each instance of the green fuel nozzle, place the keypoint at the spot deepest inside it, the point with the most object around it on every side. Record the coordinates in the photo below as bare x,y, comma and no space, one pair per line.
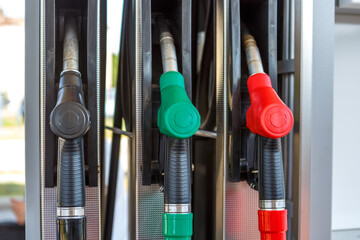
178,119
177,116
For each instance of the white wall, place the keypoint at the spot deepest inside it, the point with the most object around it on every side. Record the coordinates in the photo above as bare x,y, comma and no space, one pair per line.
346,132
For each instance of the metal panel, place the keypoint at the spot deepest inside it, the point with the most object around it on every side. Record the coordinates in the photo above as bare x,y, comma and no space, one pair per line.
322,119
91,213
313,118
32,119
147,202
241,212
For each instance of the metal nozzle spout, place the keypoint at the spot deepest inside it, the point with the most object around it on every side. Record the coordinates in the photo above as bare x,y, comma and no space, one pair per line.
71,44
168,52
253,58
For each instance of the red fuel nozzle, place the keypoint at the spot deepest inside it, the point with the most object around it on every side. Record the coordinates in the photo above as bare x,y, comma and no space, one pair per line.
267,115
273,224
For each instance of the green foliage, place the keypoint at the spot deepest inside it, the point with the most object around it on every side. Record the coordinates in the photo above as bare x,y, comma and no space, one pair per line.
115,66
10,122
12,189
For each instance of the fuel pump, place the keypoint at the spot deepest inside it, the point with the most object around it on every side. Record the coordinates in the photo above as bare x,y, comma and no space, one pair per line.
179,120
271,119
70,120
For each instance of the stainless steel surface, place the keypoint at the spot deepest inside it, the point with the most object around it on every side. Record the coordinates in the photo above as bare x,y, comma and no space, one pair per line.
221,76
241,212
168,52
253,58
91,212
95,200
204,133
43,202
303,81
272,204
314,42
137,139
71,44
146,202
70,211
177,208
34,14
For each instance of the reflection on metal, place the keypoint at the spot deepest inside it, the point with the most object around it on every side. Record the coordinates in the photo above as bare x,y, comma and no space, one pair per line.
253,58
70,211
204,133
303,83
272,204
221,76
168,52
177,208
71,45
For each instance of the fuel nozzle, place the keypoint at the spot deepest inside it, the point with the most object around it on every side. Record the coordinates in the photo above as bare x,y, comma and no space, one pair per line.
179,120
267,116
70,120
271,119
177,116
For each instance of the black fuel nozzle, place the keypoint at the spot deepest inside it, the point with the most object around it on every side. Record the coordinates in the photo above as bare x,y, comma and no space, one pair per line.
70,120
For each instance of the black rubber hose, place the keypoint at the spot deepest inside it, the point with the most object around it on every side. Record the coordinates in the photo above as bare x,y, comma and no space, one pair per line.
71,184
271,174
177,182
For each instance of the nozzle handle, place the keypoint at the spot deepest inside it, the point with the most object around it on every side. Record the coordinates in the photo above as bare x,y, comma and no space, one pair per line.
267,115
177,116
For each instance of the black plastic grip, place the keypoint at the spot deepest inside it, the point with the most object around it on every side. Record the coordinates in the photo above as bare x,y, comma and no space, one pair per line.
70,119
177,182
71,185
271,174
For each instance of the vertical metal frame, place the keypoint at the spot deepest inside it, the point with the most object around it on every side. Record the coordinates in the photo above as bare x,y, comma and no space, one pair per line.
314,42
222,111
33,13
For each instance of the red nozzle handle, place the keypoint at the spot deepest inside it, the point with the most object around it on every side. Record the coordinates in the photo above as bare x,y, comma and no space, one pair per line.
273,224
267,115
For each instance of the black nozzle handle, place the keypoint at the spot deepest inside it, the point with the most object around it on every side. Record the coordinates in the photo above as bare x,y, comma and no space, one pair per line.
70,119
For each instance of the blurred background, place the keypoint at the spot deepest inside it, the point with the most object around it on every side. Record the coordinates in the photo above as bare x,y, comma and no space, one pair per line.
12,75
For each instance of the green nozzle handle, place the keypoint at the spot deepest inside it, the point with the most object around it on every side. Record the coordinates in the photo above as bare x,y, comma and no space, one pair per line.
177,116
177,226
